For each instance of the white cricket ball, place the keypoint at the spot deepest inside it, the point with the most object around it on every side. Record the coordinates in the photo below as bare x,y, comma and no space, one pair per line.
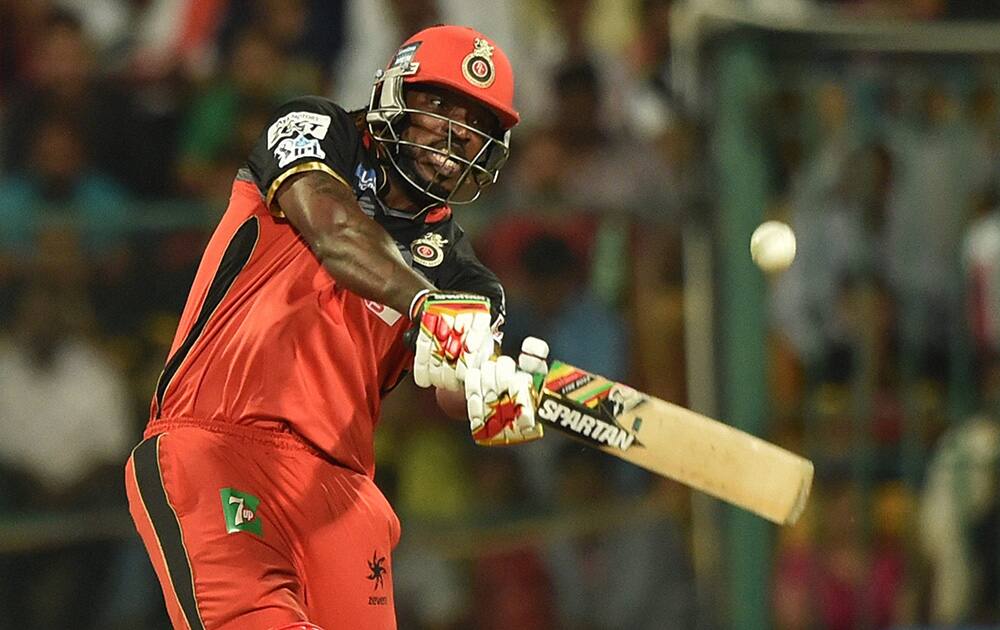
772,246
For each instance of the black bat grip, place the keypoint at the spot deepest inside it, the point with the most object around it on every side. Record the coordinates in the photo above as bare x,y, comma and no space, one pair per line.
410,337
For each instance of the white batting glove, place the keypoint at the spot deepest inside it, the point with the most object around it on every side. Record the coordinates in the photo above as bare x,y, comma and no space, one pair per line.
501,403
454,335
533,360
501,398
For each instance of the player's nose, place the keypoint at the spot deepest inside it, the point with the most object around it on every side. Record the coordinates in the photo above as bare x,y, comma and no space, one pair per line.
461,130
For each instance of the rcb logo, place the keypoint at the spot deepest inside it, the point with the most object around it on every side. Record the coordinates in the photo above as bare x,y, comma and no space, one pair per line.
477,67
428,250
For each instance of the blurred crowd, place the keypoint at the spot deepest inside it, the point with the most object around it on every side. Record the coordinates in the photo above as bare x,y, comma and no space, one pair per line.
122,124
920,9
884,355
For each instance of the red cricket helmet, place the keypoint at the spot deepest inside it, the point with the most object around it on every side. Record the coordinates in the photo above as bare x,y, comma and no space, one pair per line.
462,60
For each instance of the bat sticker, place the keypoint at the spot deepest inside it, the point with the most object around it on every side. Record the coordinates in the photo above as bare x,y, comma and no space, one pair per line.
705,454
621,398
583,423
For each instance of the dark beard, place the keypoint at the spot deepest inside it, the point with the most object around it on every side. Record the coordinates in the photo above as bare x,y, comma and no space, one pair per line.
407,160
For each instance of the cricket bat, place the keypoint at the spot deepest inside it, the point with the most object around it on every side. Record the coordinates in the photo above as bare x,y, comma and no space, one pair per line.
676,442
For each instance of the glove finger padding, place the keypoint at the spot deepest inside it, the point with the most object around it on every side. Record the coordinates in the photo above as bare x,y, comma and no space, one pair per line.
536,348
454,335
501,404
474,398
533,360
480,347
505,369
422,361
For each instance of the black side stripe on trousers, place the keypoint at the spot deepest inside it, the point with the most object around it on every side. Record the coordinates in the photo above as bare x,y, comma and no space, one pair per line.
233,260
166,527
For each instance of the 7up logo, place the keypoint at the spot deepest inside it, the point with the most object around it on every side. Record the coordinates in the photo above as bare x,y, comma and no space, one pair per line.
240,509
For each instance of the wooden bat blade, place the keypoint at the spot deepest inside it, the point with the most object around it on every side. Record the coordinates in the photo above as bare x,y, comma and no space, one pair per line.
676,442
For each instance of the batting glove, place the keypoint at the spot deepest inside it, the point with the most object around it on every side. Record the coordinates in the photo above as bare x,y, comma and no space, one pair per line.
534,360
453,335
501,397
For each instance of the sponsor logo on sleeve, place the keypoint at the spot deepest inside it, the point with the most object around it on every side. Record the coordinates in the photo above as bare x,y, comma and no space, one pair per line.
296,135
301,146
298,123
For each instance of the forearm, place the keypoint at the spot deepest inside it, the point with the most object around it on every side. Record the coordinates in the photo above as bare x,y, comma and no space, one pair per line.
357,252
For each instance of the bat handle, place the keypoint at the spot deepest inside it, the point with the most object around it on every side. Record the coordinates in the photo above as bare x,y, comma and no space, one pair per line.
410,337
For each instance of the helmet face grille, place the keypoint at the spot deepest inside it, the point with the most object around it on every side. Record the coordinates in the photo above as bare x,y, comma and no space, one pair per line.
463,61
387,118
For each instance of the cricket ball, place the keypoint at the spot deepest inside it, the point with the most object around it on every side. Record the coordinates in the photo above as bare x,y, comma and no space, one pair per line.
772,246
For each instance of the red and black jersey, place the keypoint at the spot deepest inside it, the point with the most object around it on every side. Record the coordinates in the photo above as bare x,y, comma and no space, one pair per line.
267,337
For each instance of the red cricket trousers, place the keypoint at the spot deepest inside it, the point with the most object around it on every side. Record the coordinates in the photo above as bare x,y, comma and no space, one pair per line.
249,528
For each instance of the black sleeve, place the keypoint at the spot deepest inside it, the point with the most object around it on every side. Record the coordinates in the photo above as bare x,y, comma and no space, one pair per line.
464,272
305,134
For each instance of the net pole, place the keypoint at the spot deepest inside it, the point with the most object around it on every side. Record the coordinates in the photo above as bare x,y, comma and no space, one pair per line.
742,177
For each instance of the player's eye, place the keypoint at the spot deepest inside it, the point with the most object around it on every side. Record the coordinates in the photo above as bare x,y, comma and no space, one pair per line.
484,123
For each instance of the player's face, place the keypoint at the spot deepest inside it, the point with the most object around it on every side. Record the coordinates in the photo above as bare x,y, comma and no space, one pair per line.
434,130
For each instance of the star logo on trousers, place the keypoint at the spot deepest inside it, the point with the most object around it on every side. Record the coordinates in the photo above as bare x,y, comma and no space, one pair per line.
377,570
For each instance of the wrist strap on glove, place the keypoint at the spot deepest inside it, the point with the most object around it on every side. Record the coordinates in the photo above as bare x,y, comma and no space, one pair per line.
416,303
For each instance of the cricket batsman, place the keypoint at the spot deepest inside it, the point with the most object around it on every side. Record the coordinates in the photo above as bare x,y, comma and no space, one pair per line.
337,267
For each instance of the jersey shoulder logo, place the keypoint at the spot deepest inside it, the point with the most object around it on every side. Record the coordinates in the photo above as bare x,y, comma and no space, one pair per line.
291,149
297,135
428,250
298,123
